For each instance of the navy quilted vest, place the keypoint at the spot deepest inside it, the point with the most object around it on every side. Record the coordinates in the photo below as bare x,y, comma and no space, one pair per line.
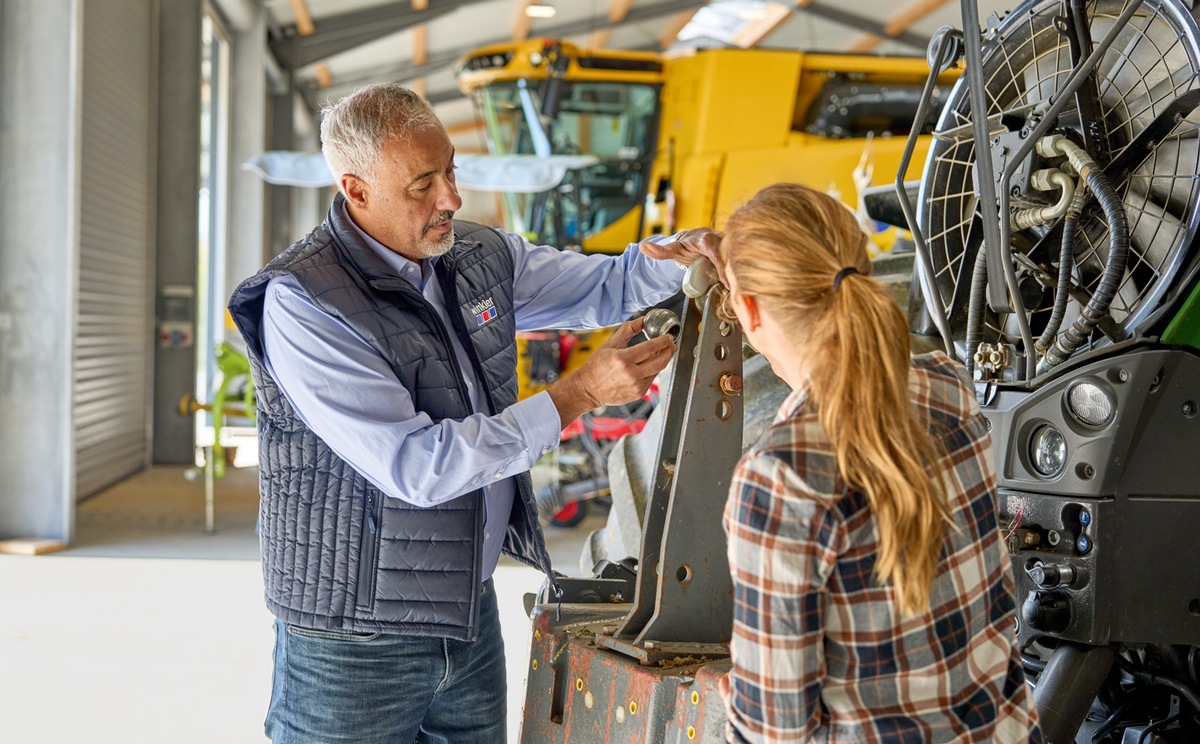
337,553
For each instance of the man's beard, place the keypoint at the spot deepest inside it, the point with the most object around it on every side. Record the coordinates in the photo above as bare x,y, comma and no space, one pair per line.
442,244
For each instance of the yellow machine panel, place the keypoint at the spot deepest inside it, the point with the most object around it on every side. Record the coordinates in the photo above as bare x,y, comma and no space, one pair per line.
681,140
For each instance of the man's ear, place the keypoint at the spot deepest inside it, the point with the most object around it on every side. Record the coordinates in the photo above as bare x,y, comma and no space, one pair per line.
355,190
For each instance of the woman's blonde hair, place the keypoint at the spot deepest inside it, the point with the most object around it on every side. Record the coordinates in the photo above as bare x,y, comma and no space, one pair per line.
788,247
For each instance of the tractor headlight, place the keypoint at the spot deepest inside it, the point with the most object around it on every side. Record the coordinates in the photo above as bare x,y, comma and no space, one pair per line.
1090,403
1048,451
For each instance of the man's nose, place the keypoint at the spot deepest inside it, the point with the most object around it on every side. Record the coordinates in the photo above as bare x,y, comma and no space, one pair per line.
448,199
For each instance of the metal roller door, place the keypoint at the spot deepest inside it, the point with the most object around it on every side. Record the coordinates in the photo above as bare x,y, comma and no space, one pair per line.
112,356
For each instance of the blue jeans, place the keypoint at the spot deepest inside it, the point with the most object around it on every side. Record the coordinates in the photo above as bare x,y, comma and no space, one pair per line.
372,688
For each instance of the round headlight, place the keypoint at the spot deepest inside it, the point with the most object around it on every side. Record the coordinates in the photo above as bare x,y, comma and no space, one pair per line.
1048,451
1089,403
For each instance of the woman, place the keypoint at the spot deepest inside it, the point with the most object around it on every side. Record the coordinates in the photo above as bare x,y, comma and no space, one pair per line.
873,600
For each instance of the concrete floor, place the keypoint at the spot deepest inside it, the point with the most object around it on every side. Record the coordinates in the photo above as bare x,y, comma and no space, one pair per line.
148,629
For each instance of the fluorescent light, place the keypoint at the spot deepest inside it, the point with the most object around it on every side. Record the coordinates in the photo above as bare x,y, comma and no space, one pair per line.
540,10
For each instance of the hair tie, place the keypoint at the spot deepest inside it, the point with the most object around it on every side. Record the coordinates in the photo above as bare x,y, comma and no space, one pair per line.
837,279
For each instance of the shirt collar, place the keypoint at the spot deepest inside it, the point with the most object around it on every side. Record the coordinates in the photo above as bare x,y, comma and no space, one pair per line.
411,271
794,400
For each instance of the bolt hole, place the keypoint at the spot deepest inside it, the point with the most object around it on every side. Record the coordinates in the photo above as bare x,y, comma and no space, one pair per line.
1189,408
684,574
721,352
724,409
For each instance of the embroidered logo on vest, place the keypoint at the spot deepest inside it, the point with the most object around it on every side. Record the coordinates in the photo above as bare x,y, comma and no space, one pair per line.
484,310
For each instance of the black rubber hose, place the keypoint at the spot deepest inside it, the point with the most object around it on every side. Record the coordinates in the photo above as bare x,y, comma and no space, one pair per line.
1066,260
975,305
1037,666
1116,717
1185,692
1110,280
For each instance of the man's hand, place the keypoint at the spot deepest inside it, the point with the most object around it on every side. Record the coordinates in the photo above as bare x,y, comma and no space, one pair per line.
613,374
689,246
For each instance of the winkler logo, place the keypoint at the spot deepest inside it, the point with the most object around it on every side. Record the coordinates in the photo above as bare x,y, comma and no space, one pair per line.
484,310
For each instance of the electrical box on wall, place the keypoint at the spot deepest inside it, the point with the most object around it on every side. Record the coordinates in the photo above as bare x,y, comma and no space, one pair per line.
176,316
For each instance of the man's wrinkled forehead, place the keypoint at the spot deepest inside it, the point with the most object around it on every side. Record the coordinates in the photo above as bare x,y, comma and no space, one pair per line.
419,154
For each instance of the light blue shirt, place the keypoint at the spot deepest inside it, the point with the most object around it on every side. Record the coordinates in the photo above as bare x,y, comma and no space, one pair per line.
349,396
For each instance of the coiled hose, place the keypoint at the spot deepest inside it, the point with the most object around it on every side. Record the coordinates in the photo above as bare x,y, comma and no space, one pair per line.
1118,250
1066,260
975,309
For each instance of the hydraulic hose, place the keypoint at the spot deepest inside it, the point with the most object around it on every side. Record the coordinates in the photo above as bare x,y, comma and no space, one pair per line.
1064,95
1066,260
1185,691
1047,181
1118,250
975,305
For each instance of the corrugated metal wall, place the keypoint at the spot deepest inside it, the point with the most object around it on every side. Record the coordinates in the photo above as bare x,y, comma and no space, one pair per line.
112,357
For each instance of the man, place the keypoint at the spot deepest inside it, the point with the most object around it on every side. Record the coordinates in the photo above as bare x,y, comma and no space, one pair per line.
393,452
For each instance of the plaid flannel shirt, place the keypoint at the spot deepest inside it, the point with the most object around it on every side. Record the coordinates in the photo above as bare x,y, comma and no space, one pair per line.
819,649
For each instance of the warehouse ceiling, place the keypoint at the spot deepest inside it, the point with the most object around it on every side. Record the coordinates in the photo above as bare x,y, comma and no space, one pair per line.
330,47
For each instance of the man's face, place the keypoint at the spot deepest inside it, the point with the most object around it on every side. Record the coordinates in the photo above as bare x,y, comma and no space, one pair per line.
409,203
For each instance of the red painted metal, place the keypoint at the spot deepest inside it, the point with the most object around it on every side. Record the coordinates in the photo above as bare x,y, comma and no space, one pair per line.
579,692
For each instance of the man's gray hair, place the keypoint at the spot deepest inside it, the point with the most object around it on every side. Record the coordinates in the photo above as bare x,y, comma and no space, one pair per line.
355,129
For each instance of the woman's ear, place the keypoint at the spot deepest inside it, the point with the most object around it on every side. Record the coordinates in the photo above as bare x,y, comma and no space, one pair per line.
752,319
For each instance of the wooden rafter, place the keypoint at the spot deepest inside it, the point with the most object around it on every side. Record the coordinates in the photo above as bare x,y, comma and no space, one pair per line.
464,127
304,21
420,46
903,19
521,21
673,27
597,39
911,13
617,10
759,29
306,27
864,43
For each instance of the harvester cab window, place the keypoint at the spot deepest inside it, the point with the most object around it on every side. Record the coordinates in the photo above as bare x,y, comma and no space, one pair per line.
612,121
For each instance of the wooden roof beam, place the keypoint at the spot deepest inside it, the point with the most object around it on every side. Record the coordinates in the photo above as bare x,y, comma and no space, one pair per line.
303,18
757,30
674,26
346,31
839,15
900,22
521,21
617,10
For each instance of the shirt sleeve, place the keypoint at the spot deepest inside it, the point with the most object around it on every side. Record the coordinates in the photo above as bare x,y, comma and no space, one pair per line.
569,290
349,396
781,543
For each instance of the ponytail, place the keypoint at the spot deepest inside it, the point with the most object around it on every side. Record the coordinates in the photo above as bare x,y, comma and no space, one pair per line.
803,255
862,398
